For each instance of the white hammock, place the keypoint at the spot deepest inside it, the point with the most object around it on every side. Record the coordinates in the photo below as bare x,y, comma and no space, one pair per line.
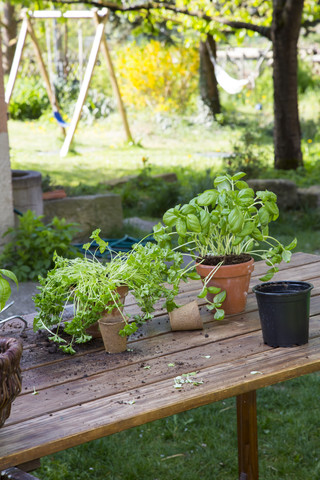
229,84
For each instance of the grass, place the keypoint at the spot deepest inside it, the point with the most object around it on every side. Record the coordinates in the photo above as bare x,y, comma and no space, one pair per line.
99,152
202,443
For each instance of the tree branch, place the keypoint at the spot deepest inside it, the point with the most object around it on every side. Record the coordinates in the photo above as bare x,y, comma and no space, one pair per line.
157,5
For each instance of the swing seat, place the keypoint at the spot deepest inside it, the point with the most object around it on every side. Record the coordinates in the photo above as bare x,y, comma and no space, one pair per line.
59,119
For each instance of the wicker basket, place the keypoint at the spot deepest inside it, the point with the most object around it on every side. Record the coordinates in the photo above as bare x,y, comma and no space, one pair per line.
10,375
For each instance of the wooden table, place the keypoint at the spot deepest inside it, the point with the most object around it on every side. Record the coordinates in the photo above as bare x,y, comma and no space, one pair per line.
92,394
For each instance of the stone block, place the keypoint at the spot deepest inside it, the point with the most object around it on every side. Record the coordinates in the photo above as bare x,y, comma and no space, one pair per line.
89,211
309,197
286,191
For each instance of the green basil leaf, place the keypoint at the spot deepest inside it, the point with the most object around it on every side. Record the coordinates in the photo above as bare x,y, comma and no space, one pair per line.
185,209
241,185
235,219
193,223
247,229
266,196
237,240
237,176
203,292
245,197
222,183
204,219
292,245
214,290
286,256
9,274
170,217
219,314
208,197
194,276
257,235
5,292
220,297
181,227
264,216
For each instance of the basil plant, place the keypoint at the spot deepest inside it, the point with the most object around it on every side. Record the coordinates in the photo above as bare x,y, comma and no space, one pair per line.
229,219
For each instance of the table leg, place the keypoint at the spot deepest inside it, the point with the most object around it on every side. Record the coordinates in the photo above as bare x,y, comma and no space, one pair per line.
247,436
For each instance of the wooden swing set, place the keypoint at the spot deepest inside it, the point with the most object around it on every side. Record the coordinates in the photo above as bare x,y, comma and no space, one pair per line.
100,18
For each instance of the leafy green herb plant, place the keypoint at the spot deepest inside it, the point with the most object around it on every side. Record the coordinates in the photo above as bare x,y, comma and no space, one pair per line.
230,219
227,220
150,272
5,288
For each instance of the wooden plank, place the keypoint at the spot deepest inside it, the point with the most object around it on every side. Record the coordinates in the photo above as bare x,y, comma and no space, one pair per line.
77,14
54,392
175,345
247,435
42,67
114,82
142,349
84,87
16,61
87,421
14,473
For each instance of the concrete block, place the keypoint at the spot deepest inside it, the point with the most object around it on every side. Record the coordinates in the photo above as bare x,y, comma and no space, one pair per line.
310,197
286,191
89,211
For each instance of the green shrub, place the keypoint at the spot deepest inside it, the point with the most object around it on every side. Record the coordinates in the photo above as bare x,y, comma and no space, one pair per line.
29,99
32,245
148,195
248,157
307,80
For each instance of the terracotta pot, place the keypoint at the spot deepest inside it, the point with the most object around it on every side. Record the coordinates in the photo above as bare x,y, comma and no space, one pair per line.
53,195
186,317
109,327
234,279
10,375
94,330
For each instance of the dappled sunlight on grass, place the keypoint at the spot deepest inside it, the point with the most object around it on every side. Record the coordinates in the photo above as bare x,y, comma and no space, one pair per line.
99,151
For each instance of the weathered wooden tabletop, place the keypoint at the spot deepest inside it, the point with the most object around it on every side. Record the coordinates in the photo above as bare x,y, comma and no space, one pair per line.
69,400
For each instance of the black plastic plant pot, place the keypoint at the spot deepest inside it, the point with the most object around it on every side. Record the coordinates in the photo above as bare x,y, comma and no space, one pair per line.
284,312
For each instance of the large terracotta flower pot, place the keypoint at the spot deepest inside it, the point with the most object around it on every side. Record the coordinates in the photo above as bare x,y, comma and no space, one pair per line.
234,279
10,375
94,330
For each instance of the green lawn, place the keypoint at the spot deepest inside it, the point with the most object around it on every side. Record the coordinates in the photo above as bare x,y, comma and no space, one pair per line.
202,443
99,152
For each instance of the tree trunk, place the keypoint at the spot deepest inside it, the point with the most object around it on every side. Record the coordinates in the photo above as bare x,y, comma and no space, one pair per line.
9,35
208,83
285,30
6,201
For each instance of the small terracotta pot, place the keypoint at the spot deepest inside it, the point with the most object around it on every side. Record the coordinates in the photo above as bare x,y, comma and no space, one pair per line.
53,195
186,317
109,328
234,279
94,330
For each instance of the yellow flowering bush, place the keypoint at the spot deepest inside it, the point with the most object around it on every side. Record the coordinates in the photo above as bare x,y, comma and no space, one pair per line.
162,77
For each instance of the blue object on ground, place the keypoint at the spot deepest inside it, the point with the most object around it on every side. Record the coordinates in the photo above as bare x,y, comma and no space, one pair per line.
116,245
59,119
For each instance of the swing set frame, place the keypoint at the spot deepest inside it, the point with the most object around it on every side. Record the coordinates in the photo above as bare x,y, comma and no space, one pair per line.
100,18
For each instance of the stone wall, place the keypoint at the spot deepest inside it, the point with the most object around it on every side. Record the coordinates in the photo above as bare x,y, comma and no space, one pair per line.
90,212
